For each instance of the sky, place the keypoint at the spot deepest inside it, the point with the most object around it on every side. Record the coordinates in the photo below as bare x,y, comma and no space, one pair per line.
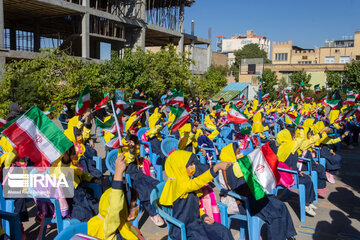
307,22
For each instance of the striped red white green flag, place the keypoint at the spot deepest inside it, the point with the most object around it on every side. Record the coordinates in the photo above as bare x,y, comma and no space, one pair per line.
260,171
217,109
302,98
331,103
103,102
122,104
265,96
317,88
287,100
34,135
141,102
348,112
323,98
242,96
114,142
290,116
182,115
142,110
2,122
49,110
83,102
174,98
308,99
350,98
235,115
110,124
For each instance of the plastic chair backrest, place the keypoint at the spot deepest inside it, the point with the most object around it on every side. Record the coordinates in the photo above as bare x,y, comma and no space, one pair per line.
141,131
226,132
168,145
110,160
71,231
14,222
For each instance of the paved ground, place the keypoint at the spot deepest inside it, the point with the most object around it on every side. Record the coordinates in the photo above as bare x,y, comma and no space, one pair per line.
338,216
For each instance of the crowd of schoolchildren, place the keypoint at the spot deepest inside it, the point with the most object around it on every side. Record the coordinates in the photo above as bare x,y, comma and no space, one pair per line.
188,190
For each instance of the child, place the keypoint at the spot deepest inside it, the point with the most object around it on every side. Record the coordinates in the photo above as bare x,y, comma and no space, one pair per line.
271,210
180,192
111,222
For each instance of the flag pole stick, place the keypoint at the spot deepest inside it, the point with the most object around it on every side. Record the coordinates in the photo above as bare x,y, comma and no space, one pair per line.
117,124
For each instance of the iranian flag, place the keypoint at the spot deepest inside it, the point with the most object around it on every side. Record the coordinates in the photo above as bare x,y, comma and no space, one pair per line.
350,98
322,99
182,115
301,85
142,110
302,97
317,88
235,115
308,99
174,98
2,122
348,112
299,120
217,109
141,102
287,99
110,124
114,142
242,96
265,96
103,102
34,135
260,171
290,116
83,102
331,103
122,104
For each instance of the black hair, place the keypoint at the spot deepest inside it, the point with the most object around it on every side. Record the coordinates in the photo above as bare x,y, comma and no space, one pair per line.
133,138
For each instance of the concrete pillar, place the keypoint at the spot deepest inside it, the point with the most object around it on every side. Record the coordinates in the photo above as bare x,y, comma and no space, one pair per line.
37,37
140,34
85,37
2,44
12,38
181,28
209,52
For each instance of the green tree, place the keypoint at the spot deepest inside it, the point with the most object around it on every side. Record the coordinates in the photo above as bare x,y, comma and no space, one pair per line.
352,75
212,81
298,77
269,80
333,79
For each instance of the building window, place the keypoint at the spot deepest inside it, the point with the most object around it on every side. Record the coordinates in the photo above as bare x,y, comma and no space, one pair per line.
304,62
357,57
329,59
345,59
304,57
281,56
337,50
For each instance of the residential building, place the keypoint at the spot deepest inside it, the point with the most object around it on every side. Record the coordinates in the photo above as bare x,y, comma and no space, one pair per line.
288,58
229,46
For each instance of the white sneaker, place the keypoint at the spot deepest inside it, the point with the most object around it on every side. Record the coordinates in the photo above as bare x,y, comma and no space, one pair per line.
313,206
310,211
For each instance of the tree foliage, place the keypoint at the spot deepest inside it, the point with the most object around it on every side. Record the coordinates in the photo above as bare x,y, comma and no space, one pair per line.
269,80
55,78
212,81
352,75
333,79
300,76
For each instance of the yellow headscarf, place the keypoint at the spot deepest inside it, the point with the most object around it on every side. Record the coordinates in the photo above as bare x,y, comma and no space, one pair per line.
333,115
286,144
130,121
208,123
255,105
228,155
257,126
179,182
154,118
96,224
317,129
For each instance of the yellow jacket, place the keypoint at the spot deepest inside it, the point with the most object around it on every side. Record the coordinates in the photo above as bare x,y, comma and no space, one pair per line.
9,155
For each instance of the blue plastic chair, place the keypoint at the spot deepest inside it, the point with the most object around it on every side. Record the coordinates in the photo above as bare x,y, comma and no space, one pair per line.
63,124
318,158
203,160
71,231
168,145
249,225
98,161
15,225
301,191
166,212
313,174
152,156
7,205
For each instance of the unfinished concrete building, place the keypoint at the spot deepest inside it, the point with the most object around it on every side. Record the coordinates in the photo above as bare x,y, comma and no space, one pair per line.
79,26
